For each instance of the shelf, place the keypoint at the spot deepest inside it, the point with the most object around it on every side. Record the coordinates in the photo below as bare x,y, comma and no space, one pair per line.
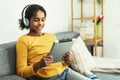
84,18
95,42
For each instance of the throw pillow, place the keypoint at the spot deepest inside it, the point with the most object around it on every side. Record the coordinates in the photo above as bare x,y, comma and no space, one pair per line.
83,60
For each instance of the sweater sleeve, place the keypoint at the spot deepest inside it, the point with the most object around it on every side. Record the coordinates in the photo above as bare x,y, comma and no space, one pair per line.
23,69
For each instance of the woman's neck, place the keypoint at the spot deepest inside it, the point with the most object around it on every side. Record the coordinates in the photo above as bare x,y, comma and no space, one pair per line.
35,34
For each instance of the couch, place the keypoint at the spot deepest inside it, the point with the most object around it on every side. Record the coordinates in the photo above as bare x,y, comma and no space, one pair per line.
8,64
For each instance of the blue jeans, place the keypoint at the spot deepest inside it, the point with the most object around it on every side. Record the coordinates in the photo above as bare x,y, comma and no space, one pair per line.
67,74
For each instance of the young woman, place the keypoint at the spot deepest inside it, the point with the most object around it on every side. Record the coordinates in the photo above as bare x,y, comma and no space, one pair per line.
33,60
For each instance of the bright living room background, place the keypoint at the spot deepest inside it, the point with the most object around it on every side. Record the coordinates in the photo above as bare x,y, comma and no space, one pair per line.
59,19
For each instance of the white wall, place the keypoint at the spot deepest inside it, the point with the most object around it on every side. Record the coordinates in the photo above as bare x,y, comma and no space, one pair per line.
57,17
112,29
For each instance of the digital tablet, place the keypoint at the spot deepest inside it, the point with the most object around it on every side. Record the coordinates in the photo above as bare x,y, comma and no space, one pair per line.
59,48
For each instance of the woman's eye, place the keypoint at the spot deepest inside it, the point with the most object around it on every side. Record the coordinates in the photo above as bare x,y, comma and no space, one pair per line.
36,20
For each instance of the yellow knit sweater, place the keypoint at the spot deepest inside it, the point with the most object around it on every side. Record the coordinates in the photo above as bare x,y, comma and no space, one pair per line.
29,50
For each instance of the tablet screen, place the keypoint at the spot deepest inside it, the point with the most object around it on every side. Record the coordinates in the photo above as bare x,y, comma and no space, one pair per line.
59,49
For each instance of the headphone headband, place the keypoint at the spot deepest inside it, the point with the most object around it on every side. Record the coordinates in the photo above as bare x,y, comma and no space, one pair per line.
24,10
24,19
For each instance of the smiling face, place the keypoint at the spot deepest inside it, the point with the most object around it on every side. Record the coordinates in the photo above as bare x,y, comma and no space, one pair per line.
37,23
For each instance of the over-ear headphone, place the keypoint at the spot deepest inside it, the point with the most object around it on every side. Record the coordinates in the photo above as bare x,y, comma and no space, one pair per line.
24,19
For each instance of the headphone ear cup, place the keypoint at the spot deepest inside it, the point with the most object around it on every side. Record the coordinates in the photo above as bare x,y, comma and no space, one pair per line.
26,22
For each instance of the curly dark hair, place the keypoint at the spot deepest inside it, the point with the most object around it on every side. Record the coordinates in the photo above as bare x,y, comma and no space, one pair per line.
29,12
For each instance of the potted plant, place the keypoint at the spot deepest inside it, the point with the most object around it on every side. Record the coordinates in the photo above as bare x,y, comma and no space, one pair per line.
98,23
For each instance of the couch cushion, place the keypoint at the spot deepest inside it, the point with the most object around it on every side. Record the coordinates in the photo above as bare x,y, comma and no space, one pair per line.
66,35
107,76
11,77
7,58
